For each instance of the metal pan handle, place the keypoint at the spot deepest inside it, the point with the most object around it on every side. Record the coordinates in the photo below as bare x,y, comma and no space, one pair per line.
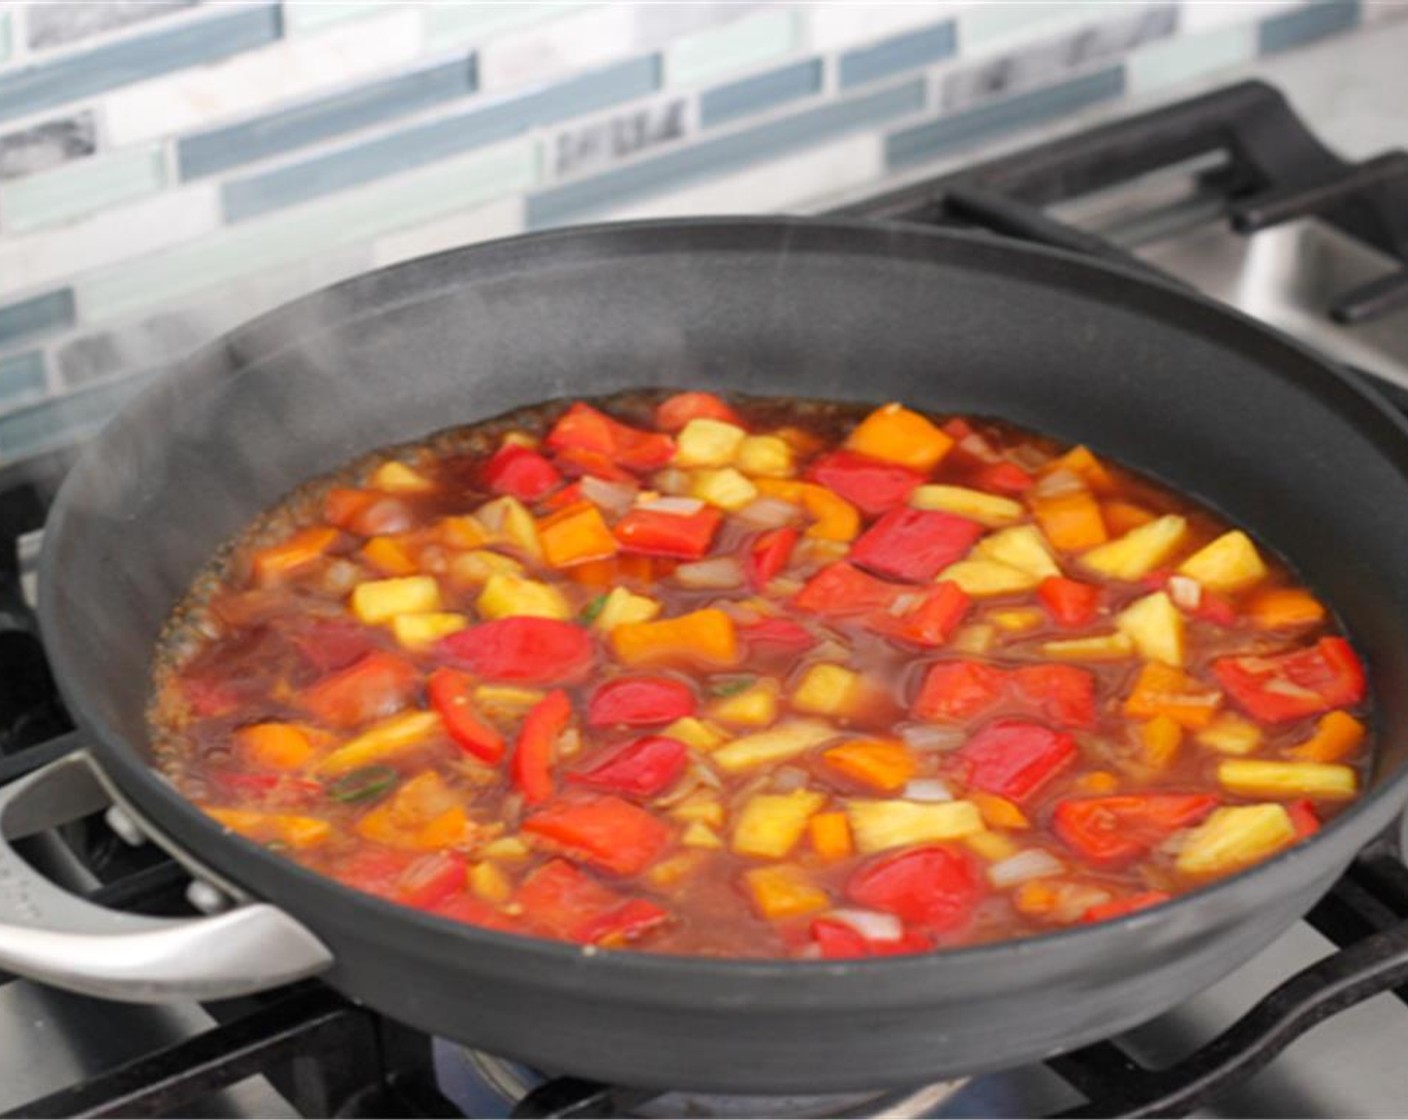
51,935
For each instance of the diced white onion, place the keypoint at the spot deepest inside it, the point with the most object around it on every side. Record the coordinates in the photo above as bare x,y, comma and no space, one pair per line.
681,507
1185,592
1034,863
768,513
873,925
613,497
927,789
1029,458
785,779
933,737
978,447
716,573
1057,483
671,480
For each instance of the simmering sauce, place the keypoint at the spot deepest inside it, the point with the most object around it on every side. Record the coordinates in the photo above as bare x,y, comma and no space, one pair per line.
757,678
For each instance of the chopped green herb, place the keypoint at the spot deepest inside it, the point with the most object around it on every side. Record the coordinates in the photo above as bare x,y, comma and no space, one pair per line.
366,784
592,610
731,687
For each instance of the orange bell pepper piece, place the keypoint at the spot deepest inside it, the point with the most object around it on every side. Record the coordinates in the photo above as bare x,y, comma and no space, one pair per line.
1071,522
833,518
1121,517
1336,735
879,763
576,535
1162,690
288,828
705,637
1160,739
997,811
275,746
830,835
1082,463
1280,607
460,531
422,815
897,435
289,555
390,555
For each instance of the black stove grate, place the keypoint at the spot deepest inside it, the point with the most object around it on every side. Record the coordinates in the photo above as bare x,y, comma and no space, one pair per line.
330,1057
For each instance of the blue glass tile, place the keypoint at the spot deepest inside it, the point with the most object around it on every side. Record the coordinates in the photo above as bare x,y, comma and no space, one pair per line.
903,52
1305,25
63,420
207,153
21,378
762,91
50,312
586,197
52,25
130,60
933,138
427,143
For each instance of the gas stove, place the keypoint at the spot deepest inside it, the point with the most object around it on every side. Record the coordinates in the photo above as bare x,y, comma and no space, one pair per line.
1227,193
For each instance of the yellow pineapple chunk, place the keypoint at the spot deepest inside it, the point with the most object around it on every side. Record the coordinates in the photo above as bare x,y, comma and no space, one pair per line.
506,847
508,520
1255,777
1017,619
1235,837
701,808
1230,563
981,578
976,505
765,457
784,892
1022,547
1155,627
378,600
700,835
878,825
505,701
770,824
473,568
508,595
829,690
623,607
992,846
1141,550
397,478
1097,647
490,882
707,443
391,737
725,488
786,740
977,638
1228,734
755,706
696,733
421,631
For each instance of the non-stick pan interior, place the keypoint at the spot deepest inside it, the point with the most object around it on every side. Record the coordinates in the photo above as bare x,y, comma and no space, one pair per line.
1161,381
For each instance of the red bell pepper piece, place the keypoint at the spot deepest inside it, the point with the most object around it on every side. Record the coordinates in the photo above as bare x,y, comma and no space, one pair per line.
971,451
1119,907
935,886
641,769
1068,601
559,900
1211,607
533,754
839,941
585,428
569,495
675,412
1292,685
1064,694
451,693
431,880
686,536
1112,831
374,870
640,702
1005,478
523,650
769,555
331,643
842,588
932,621
958,690
577,462
465,907
521,472
914,544
377,684
1303,818
871,485
1013,759
780,632
602,830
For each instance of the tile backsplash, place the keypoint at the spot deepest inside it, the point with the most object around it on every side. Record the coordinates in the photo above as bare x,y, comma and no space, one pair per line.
169,168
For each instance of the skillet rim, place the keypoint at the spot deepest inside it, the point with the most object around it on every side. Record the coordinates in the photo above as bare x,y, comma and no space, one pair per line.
140,782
